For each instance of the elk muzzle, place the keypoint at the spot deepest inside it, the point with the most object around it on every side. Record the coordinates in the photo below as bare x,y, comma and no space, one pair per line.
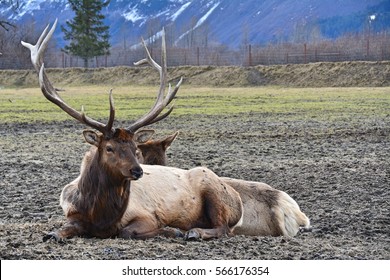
136,173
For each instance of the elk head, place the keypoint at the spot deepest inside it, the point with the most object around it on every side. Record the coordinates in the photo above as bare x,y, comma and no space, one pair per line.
153,152
116,147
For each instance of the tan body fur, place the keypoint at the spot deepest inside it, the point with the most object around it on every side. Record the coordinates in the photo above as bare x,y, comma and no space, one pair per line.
267,211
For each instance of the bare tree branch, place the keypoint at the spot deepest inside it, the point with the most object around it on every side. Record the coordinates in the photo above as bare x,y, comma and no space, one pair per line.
6,25
15,5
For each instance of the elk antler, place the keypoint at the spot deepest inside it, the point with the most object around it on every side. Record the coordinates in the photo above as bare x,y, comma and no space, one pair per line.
37,52
161,102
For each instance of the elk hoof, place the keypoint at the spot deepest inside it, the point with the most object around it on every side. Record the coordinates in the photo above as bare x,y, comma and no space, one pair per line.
192,235
305,229
178,233
52,236
172,232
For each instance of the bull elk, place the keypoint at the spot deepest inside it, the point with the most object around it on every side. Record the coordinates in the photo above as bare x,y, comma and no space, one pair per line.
115,195
267,211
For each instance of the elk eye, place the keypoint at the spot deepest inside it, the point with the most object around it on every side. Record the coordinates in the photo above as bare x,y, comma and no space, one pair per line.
109,149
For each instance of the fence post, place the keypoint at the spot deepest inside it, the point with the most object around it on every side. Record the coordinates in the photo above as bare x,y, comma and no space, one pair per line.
197,56
305,52
382,52
250,55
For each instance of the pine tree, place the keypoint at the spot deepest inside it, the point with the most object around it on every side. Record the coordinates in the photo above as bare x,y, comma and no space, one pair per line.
87,33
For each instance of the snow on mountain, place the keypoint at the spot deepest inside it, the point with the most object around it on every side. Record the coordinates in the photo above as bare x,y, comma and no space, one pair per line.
133,15
181,10
203,18
198,23
228,22
31,6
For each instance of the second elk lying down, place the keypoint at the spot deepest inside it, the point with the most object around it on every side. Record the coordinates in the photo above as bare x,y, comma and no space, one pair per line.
116,196
267,211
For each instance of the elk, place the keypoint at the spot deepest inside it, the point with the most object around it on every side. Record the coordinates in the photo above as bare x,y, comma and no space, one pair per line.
267,211
153,152
116,196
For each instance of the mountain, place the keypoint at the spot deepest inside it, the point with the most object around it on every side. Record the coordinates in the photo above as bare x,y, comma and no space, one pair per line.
226,22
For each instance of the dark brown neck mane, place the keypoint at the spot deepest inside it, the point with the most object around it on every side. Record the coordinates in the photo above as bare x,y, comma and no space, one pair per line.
103,198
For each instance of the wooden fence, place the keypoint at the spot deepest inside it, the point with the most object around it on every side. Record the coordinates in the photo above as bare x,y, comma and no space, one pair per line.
250,55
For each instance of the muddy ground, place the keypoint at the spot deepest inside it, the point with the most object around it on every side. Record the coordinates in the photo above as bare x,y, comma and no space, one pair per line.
337,171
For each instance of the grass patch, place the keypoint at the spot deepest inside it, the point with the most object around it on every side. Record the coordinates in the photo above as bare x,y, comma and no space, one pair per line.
29,105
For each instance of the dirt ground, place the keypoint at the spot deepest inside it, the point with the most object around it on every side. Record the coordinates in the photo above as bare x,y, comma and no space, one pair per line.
338,172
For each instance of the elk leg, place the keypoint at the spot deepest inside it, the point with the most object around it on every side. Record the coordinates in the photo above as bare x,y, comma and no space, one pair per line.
205,234
67,231
221,217
144,228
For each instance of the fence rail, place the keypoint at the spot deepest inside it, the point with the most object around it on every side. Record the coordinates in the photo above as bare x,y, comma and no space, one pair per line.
219,56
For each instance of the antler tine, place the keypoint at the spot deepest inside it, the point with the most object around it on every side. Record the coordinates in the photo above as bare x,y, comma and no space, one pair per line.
161,102
170,97
171,94
163,116
50,92
148,59
39,48
110,122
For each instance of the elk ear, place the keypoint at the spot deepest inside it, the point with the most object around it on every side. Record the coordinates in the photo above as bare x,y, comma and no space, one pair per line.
168,141
143,135
92,137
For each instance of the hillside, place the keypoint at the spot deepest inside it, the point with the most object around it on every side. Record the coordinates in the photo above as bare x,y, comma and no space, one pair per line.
341,74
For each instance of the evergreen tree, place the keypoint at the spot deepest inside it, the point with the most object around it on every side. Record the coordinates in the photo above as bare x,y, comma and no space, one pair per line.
87,33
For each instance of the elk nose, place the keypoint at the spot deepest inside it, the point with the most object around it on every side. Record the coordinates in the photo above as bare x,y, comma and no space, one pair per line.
137,173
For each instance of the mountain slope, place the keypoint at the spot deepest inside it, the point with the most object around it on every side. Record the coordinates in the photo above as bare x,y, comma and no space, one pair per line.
200,22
